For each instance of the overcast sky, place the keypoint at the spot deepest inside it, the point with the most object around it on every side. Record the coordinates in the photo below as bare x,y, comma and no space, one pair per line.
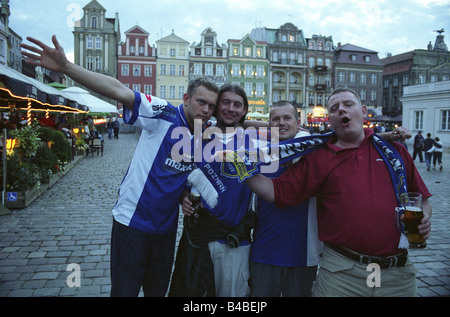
394,26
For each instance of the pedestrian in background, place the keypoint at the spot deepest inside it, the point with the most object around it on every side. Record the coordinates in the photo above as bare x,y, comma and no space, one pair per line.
437,153
427,146
418,146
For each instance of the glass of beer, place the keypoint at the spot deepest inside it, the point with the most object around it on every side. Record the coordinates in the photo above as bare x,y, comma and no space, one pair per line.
412,218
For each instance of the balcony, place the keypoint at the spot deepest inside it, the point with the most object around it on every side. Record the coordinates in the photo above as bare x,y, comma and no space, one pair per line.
321,87
320,69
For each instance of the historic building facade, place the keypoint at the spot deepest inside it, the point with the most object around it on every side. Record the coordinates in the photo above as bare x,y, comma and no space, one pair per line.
360,69
137,61
172,68
417,67
319,78
209,58
248,66
96,41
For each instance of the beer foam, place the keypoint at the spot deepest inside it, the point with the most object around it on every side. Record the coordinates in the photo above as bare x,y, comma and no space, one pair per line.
413,209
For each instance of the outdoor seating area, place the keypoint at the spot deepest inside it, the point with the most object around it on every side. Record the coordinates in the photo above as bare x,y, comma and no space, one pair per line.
43,129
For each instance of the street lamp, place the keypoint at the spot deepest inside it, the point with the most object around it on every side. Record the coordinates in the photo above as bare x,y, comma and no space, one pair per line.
10,144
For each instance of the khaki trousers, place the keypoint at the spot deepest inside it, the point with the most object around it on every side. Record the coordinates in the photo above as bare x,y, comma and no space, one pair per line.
231,269
342,277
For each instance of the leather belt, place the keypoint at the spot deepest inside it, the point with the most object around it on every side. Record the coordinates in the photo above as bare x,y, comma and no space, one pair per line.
384,263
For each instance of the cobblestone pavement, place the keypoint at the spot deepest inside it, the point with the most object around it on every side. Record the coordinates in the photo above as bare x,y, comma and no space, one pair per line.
71,223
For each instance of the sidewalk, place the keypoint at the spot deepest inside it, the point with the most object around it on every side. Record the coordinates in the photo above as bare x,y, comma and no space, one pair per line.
71,223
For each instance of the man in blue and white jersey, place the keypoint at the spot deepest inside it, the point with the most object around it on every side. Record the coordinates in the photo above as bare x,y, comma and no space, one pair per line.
146,212
286,248
230,264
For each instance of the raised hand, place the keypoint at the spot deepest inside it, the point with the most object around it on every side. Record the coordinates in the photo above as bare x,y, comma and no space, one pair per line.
51,58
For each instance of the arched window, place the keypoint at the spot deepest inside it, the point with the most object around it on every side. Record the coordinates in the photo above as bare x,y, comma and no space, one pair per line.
94,22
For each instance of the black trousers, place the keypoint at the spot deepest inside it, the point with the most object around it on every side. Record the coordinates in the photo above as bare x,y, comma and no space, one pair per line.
140,259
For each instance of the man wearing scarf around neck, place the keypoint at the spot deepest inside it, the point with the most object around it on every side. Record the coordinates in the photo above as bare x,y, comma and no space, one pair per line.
356,200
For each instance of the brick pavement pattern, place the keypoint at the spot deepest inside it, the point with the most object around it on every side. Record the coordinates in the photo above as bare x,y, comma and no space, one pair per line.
71,223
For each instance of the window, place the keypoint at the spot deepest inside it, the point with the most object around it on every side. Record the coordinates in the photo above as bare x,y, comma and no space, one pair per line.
405,80
163,69
209,70
418,120
311,62
141,49
132,49
162,92
248,70
180,92
319,61
275,56
219,70
98,63
148,89
260,90
98,43
291,38
311,98
352,77
248,51
235,51
276,78
373,95
386,83
434,78
341,77
260,71
259,52
422,79
148,70
172,70
94,22
373,78
248,89
311,80
137,70
363,78
445,120
137,87
208,51
180,70
444,77
125,70
353,57
171,92
276,96
89,42
89,63
236,70
395,81
362,94
198,69
172,52
367,59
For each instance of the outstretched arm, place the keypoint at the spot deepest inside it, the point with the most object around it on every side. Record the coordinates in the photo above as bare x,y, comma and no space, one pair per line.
262,186
56,60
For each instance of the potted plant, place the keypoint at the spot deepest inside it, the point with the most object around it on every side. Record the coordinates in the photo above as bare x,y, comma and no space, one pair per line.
27,141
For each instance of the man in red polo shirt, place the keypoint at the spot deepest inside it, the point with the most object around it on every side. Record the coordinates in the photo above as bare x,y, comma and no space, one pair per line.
355,204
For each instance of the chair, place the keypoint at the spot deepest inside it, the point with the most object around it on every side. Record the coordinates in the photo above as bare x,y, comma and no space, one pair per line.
96,144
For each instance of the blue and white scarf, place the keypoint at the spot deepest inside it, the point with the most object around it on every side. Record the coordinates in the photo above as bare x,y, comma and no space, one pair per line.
212,179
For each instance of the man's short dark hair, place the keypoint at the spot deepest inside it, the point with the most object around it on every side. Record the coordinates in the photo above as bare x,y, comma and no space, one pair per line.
283,103
201,81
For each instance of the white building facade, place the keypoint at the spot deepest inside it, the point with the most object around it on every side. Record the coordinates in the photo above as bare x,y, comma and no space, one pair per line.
426,108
